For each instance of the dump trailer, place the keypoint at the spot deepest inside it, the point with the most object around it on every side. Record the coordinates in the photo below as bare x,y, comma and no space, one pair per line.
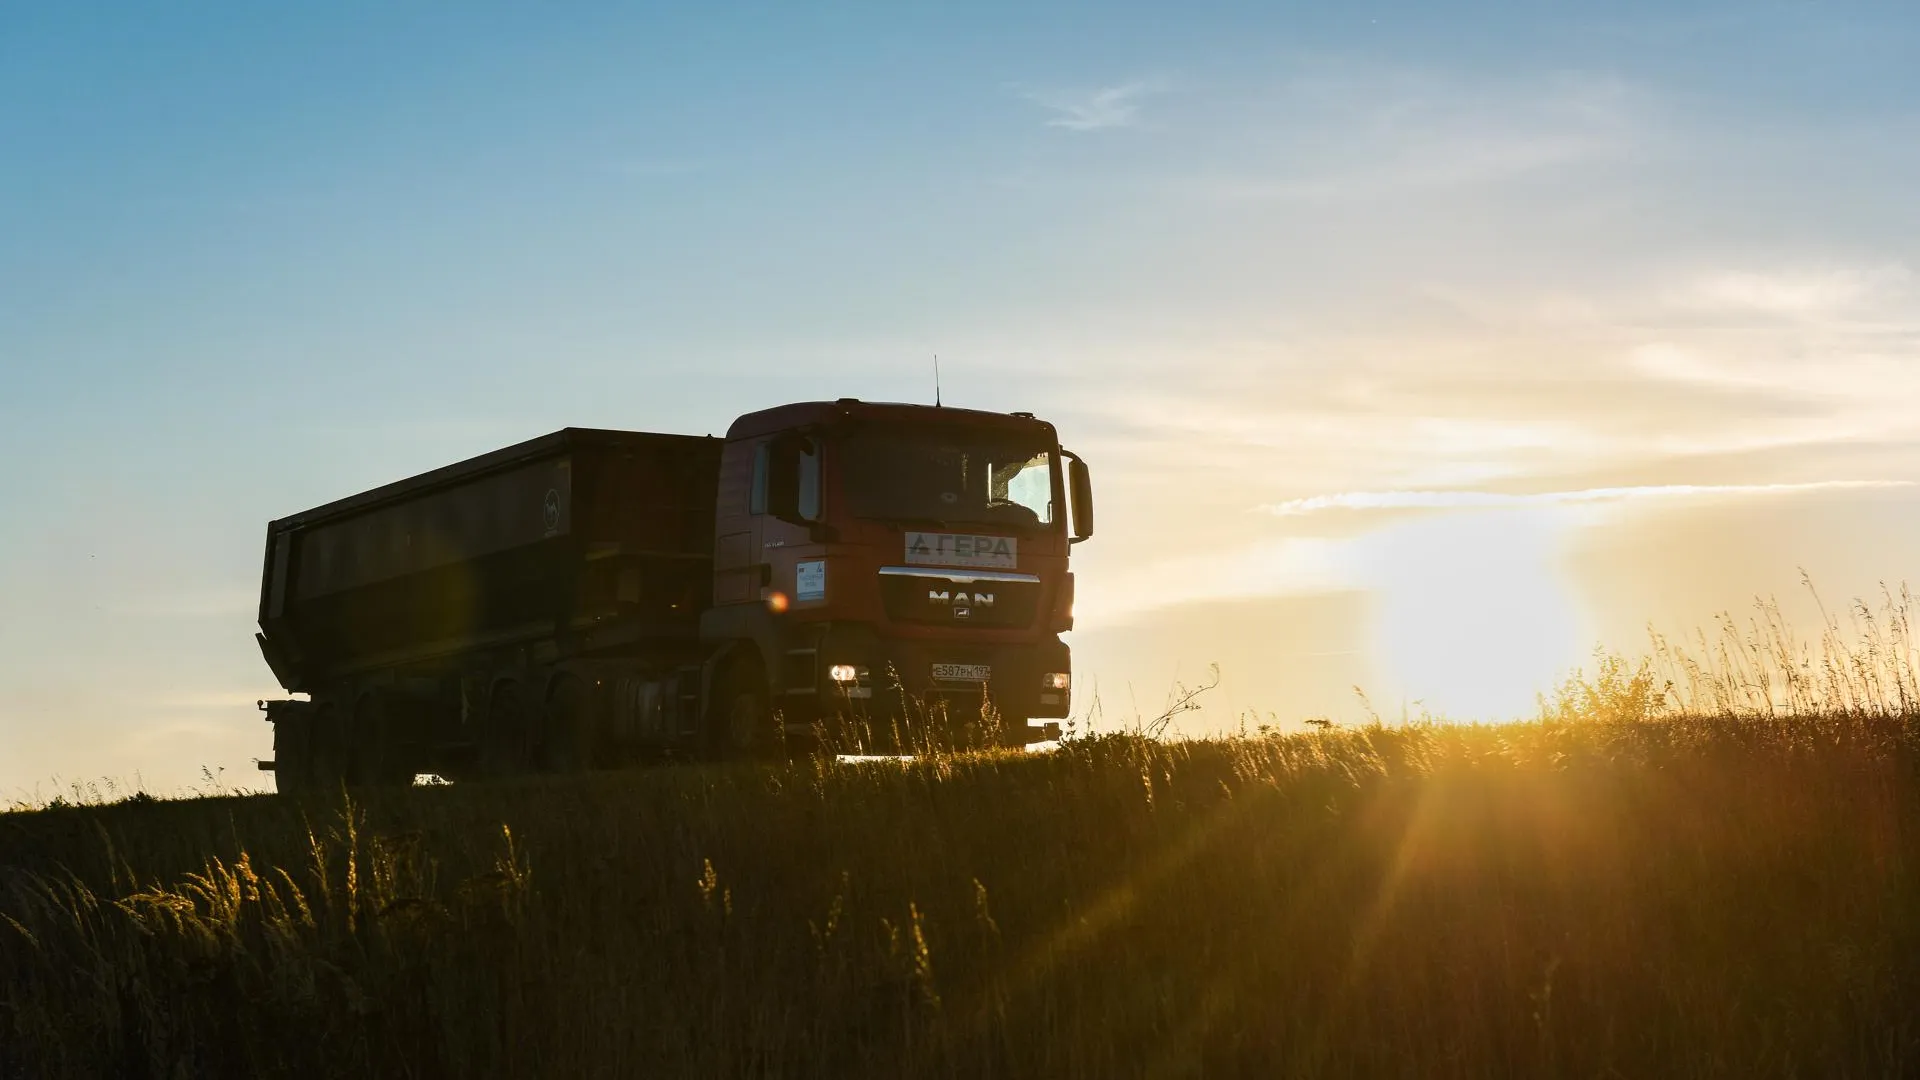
591,597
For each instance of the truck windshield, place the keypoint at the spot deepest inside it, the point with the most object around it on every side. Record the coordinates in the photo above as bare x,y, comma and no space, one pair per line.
950,477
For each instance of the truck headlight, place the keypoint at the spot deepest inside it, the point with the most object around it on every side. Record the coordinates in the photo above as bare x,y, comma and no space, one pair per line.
844,674
1056,680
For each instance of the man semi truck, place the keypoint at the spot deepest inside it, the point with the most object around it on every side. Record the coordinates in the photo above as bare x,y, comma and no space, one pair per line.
591,597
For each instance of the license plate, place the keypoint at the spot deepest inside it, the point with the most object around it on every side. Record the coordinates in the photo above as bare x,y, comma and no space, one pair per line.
963,672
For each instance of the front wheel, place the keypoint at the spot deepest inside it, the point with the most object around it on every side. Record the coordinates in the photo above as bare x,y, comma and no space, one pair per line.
329,752
567,743
742,721
503,741
293,738
1020,733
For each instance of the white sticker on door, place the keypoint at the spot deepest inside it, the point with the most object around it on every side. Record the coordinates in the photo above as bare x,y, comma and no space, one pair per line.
810,579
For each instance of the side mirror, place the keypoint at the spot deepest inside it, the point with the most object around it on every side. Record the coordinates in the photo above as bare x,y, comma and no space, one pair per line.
1080,482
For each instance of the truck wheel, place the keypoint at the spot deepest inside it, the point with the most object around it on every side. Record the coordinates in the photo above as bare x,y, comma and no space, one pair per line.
1015,731
503,743
379,755
743,723
327,751
293,755
384,754
568,737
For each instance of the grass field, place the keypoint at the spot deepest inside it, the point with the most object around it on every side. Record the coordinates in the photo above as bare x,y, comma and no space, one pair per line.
1708,865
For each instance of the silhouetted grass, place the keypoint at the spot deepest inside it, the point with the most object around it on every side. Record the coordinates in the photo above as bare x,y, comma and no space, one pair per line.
1643,881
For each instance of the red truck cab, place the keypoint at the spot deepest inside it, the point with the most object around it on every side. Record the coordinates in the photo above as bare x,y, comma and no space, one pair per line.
879,559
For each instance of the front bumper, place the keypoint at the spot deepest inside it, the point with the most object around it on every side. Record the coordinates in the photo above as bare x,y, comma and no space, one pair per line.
901,677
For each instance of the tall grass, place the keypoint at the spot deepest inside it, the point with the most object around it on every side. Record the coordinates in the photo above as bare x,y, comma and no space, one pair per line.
1692,865
1866,665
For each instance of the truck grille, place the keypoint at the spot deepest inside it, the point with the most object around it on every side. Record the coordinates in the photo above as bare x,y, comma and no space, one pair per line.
959,597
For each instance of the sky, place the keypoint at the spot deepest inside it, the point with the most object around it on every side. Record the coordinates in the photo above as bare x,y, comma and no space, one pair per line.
1418,348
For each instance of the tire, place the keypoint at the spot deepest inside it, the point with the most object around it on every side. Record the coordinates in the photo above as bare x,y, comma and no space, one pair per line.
1017,733
742,721
328,752
503,743
293,755
379,755
956,724
569,738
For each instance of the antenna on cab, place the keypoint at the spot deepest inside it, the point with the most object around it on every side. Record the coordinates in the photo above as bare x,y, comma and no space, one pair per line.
936,380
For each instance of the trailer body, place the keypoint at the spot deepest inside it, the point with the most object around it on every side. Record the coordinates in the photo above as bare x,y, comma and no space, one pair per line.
577,531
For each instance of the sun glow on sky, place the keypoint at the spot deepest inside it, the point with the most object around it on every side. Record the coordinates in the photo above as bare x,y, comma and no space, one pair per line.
1467,613
1468,604
1472,611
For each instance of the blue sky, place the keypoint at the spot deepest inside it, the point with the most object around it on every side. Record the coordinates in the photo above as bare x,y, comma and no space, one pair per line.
1246,256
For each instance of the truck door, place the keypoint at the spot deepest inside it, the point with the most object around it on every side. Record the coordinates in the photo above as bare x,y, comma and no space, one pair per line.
789,505
754,552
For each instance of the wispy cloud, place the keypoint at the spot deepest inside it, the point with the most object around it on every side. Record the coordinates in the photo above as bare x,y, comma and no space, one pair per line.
1347,132
1829,292
1287,566
1100,109
1458,500
659,167
1444,160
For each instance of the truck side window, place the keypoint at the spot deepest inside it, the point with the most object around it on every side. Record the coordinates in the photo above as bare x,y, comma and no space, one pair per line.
786,478
810,479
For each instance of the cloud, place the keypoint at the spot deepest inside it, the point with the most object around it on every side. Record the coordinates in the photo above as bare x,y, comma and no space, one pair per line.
1437,160
1273,567
1843,338
1102,109
1810,292
1346,132
1459,500
658,167
1698,369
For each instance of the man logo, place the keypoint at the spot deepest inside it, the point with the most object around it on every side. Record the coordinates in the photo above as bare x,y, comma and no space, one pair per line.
959,598
960,601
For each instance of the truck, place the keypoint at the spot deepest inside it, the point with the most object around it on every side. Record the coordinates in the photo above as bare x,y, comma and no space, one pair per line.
830,572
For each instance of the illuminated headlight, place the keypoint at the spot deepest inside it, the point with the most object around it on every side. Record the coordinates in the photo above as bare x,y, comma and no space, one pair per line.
1056,680
843,673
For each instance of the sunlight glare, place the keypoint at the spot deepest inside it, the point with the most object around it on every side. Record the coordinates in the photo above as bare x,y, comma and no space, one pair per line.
1472,613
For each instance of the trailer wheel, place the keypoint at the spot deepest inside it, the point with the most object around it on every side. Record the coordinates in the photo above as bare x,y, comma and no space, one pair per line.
567,740
743,724
379,755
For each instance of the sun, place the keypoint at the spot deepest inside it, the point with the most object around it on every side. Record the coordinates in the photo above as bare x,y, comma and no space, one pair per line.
1472,613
